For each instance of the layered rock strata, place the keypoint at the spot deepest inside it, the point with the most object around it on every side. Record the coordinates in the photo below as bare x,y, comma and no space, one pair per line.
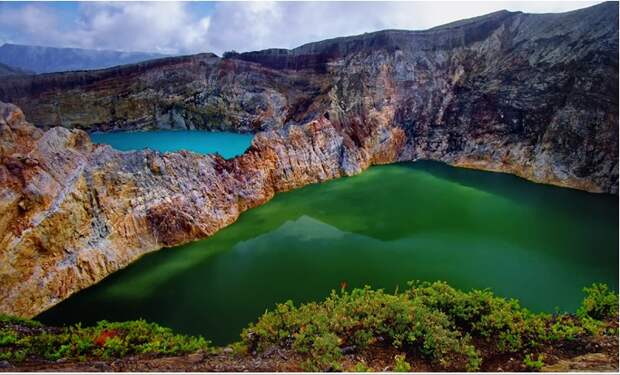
533,95
73,212
530,94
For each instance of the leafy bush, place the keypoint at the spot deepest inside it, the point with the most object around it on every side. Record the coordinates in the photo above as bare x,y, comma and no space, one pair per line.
105,340
360,319
481,313
7,337
7,319
453,330
361,367
531,364
401,364
564,328
431,319
600,303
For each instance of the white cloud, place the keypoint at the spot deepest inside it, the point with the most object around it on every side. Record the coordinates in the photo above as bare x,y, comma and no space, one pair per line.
166,27
32,21
142,26
171,27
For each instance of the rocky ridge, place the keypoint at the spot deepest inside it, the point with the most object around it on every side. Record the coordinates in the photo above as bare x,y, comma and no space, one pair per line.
6,70
533,95
39,59
74,212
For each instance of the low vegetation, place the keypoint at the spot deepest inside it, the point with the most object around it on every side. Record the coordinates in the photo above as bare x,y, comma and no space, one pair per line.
428,323
451,329
533,364
22,339
401,364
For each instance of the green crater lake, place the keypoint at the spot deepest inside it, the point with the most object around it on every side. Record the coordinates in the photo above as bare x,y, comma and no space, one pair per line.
226,144
423,220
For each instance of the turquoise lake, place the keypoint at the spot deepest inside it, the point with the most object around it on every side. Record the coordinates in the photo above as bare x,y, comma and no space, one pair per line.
391,224
225,143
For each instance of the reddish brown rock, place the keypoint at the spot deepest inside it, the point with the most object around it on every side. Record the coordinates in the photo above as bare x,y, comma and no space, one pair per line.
73,212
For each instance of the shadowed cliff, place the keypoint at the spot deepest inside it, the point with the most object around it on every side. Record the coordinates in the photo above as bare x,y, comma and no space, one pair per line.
531,94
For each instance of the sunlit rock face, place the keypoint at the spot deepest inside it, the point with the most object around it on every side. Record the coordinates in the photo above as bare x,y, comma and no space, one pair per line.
533,95
73,212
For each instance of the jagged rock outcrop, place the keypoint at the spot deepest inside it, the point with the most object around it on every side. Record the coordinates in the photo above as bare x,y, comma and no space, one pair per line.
73,212
533,95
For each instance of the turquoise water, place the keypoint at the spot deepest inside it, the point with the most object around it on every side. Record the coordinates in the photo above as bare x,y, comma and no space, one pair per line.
391,224
226,144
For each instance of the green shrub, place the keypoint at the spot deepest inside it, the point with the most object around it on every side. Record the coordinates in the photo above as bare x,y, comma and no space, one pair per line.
8,320
432,319
361,367
481,313
600,303
7,337
105,340
531,364
358,319
401,364
565,328
324,353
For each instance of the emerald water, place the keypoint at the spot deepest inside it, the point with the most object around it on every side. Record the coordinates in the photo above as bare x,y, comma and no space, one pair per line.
424,220
226,144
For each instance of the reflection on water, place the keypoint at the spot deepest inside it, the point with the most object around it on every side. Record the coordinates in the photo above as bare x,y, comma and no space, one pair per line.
391,224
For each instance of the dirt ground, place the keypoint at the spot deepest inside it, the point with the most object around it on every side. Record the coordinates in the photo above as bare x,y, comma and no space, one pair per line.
598,354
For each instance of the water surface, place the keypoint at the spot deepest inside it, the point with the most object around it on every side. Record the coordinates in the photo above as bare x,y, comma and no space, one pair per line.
423,220
227,144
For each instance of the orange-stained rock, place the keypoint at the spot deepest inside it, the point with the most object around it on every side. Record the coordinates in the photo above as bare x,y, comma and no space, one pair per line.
73,212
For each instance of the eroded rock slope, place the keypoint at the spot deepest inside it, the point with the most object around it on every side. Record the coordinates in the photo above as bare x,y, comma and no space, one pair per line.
533,95
73,212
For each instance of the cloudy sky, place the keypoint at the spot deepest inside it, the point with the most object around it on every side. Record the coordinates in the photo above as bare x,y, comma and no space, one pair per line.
190,27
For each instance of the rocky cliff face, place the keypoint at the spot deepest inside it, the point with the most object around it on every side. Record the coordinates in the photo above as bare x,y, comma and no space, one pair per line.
73,212
533,95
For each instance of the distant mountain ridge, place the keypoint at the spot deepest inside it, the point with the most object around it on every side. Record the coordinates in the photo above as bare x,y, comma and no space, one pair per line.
6,70
53,59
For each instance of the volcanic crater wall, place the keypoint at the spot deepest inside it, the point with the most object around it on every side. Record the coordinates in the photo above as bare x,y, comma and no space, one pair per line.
533,95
